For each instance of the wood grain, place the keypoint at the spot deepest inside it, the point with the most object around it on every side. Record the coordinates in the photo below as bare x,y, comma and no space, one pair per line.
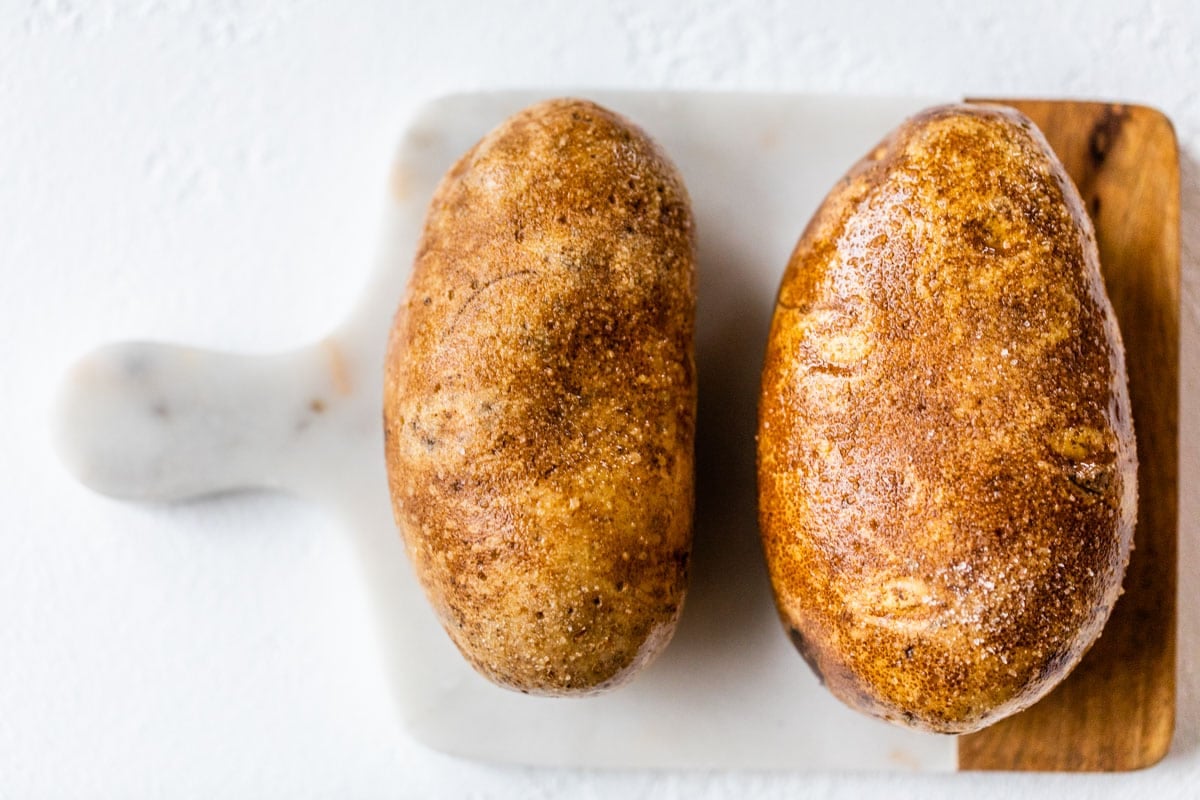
1116,711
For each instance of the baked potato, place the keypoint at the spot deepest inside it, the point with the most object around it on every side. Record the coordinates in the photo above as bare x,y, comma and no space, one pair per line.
540,401
946,455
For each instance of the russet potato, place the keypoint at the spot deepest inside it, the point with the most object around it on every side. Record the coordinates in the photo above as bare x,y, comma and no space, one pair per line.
540,399
946,458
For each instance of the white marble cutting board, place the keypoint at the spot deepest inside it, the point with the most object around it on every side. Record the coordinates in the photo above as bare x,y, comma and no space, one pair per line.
154,422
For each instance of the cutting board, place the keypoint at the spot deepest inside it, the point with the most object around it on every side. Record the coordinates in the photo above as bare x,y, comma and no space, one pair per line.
158,422
1116,711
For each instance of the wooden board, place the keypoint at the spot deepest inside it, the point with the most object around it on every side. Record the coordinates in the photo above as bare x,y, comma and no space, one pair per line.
1116,711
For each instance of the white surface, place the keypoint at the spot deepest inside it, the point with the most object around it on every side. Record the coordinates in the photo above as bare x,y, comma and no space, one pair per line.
156,422
211,173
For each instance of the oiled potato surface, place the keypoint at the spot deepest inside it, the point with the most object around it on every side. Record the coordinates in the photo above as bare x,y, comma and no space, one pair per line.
540,401
946,456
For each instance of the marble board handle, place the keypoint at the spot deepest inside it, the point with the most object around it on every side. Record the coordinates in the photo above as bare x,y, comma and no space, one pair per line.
159,422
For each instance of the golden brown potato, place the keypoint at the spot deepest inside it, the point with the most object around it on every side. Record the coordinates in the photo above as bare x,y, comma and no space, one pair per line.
540,399
946,457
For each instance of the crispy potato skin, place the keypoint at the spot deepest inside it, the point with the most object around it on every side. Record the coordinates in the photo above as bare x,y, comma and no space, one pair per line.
540,399
946,457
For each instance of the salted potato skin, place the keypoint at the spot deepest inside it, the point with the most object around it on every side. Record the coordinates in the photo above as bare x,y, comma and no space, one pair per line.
946,457
540,399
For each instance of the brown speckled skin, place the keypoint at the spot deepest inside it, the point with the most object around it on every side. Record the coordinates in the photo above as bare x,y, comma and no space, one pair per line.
540,398
946,457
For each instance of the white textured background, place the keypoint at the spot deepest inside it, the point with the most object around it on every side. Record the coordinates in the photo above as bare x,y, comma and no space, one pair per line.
212,173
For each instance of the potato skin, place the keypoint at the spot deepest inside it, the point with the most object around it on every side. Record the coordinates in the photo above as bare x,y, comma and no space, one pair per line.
946,457
540,400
